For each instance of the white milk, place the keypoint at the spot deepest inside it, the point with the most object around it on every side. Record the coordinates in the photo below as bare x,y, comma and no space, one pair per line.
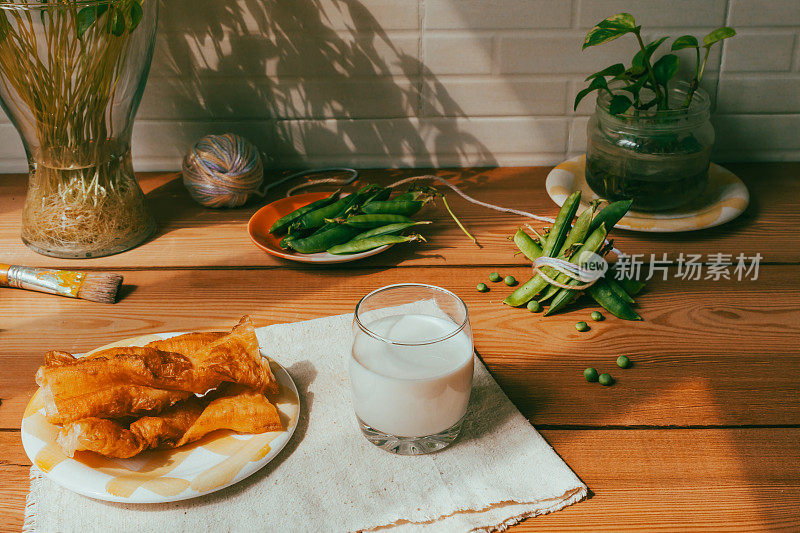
411,391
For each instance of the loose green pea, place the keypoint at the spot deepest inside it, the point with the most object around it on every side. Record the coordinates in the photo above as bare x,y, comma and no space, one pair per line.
494,277
623,361
582,326
510,281
597,316
482,287
605,379
534,306
590,374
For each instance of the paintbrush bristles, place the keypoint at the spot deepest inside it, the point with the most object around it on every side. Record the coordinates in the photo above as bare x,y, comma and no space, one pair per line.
100,287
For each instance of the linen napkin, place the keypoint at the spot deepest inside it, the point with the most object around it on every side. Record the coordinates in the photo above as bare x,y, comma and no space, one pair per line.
330,478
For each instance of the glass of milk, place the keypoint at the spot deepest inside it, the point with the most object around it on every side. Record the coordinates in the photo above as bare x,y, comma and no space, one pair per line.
411,367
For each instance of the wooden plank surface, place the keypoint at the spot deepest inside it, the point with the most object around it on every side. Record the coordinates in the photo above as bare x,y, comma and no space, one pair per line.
691,480
708,353
701,434
219,236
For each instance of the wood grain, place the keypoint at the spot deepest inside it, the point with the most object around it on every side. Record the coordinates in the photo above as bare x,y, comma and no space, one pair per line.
694,480
188,232
701,434
708,353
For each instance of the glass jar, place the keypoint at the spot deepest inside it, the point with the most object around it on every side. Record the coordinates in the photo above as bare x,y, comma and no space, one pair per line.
72,75
658,158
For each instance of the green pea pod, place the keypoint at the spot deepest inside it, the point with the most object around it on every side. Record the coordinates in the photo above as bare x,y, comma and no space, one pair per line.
576,235
527,291
284,222
561,227
393,207
631,286
286,242
527,245
611,214
339,208
322,240
389,229
356,246
564,296
374,221
617,288
605,296
382,193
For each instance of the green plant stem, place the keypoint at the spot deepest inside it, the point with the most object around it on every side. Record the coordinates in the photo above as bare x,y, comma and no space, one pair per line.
698,75
649,68
468,234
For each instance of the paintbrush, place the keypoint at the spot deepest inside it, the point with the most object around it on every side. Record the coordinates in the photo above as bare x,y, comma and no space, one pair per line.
94,286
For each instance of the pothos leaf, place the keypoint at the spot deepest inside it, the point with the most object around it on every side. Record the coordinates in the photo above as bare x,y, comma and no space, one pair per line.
685,41
635,88
599,35
642,56
597,83
115,24
665,68
136,14
609,29
613,70
620,21
718,35
88,16
619,104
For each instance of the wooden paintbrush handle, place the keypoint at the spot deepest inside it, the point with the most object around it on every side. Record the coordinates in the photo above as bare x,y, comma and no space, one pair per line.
4,274
61,282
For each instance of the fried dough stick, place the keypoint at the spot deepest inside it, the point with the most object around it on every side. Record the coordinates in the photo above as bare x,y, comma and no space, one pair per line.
126,381
187,421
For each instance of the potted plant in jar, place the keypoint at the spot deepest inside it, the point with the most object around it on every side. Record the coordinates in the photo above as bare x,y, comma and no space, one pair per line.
650,137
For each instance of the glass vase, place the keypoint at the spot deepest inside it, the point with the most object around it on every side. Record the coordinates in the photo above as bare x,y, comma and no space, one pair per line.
659,158
72,75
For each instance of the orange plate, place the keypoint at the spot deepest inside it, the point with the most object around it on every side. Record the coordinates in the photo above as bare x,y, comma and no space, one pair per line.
264,218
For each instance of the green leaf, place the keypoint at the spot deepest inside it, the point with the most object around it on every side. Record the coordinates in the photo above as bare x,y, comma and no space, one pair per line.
642,57
84,19
136,14
718,35
613,70
619,104
601,35
597,83
665,68
620,21
685,41
116,22
635,88
88,16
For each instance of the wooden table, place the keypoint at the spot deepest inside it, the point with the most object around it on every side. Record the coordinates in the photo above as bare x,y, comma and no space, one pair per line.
702,433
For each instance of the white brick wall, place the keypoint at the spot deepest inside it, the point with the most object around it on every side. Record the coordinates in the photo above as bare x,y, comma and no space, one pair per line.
438,82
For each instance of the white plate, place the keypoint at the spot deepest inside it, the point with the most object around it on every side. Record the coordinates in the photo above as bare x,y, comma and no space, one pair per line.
725,198
216,461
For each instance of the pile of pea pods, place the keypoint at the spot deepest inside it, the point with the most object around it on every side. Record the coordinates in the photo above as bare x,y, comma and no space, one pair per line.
355,223
567,241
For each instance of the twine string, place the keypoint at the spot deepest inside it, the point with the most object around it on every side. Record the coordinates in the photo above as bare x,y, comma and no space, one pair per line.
575,272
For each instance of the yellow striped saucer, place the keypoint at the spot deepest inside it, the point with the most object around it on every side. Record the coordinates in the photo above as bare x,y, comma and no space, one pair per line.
220,459
725,198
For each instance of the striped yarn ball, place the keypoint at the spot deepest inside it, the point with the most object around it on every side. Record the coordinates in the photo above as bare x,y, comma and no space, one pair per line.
223,171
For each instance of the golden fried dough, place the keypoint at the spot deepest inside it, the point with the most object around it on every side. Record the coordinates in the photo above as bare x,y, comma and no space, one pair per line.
187,421
125,381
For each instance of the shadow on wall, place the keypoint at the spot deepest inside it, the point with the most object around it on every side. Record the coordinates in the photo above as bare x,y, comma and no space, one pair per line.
309,79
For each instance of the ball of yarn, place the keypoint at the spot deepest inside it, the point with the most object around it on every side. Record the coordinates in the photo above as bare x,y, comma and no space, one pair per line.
223,171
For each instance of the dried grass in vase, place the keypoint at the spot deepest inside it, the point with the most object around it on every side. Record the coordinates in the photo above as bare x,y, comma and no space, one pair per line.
71,78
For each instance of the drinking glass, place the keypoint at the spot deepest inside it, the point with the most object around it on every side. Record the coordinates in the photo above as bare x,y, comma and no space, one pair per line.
411,367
